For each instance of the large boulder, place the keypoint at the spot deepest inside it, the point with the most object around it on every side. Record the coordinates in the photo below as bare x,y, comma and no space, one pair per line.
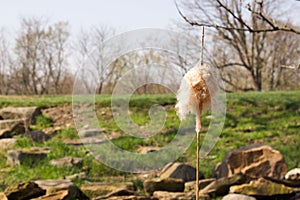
254,161
26,155
23,191
29,113
179,171
263,189
11,127
168,184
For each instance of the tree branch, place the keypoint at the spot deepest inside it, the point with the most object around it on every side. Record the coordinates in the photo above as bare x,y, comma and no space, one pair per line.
274,27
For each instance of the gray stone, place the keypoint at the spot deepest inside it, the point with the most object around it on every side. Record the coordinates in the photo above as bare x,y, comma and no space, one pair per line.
254,161
26,155
23,191
7,143
29,113
179,171
168,184
67,162
11,127
237,197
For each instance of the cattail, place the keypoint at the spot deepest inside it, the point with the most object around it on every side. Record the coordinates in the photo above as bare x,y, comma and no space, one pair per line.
195,92
194,96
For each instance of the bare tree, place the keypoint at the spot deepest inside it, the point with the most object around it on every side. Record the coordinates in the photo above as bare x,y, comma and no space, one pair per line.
242,40
91,45
40,51
6,63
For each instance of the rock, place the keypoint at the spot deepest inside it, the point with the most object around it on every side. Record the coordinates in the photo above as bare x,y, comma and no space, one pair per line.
97,189
263,188
179,171
161,195
68,162
11,127
7,143
23,191
190,186
293,175
52,130
131,197
3,196
237,197
26,155
38,136
254,161
90,132
29,113
52,186
85,141
147,149
118,193
80,176
168,184
60,195
5,133
70,194
221,186
289,183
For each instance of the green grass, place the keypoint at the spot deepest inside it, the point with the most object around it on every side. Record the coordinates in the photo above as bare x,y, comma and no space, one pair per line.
270,118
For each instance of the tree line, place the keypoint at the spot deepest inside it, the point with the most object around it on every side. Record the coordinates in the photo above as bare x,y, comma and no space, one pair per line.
250,44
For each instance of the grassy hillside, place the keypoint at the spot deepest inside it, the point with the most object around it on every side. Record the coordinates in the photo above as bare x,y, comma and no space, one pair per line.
271,118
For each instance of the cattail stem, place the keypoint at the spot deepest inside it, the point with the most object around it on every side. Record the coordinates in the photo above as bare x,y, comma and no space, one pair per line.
198,130
197,166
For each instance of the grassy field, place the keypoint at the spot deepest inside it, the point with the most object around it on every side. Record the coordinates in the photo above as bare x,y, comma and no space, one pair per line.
271,118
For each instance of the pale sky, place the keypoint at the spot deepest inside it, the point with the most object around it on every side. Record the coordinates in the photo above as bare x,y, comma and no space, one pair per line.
124,14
